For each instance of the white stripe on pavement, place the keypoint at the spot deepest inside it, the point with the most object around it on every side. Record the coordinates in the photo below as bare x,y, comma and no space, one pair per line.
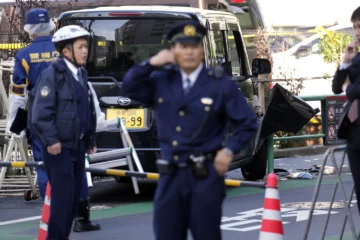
20,220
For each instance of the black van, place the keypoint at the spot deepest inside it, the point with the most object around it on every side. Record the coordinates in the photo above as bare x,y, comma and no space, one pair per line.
124,36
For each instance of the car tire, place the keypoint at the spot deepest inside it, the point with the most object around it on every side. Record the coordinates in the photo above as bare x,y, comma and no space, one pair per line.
256,169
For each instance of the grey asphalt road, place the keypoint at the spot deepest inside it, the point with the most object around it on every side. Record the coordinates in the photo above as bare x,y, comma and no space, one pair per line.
124,215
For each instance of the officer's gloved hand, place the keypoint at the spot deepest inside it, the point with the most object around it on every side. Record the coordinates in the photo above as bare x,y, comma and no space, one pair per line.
22,135
113,123
107,125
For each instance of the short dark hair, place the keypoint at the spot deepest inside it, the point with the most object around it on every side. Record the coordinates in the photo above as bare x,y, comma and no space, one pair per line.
356,15
63,44
68,47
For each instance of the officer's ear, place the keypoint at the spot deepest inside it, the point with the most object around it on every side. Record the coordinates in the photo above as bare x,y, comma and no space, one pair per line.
67,49
64,51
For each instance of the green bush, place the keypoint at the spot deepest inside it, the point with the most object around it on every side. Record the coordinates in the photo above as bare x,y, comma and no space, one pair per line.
332,44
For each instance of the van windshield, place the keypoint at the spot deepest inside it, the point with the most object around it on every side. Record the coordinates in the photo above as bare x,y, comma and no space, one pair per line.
117,44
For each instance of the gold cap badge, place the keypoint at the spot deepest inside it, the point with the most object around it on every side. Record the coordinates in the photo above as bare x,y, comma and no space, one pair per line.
189,31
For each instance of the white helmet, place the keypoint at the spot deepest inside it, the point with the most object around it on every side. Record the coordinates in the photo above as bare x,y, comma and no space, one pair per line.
68,34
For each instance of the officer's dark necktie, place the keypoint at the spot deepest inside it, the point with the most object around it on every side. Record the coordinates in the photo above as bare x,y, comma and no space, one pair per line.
187,86
353,111
80,78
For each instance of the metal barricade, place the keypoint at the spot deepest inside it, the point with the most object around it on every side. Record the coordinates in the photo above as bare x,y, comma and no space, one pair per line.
330,155
15,144
9,67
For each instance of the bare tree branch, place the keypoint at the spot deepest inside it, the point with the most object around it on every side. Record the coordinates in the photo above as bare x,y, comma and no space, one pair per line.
17,17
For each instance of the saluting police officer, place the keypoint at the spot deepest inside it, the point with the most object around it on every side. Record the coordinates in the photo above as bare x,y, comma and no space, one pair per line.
192,106
64,120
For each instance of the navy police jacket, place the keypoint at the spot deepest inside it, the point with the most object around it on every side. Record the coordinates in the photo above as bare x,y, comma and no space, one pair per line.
179,117
31,61
55,114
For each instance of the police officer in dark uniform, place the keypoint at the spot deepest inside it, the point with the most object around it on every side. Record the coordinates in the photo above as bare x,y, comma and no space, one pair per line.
64,120
347,79
29,63
192,106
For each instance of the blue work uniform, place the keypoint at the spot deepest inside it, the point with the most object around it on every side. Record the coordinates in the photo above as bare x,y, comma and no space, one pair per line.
63,111
29,63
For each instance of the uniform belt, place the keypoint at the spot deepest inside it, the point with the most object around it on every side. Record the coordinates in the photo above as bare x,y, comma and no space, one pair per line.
170,167
208,157
182,165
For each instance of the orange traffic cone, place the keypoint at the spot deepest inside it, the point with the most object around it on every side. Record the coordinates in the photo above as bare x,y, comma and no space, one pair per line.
271,226
45,215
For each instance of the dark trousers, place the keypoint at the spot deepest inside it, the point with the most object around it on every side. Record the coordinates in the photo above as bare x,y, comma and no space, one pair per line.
84,189
183,202
65,172
41,172
353,151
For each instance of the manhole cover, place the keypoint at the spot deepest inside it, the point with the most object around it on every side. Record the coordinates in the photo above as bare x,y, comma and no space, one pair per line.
99,208
318,205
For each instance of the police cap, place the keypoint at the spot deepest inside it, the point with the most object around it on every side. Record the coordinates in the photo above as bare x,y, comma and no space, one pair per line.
36,16
187,32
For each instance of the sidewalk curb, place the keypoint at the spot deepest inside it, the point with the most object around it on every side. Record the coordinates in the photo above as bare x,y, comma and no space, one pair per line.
300,151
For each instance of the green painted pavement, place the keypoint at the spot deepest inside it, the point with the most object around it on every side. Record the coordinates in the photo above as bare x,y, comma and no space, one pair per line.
6,232
346,236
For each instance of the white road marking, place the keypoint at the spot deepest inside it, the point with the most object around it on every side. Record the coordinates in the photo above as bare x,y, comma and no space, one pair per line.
231,226
20,220
236,223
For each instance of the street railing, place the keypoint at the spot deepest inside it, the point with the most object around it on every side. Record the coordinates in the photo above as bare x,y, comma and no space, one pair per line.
341,180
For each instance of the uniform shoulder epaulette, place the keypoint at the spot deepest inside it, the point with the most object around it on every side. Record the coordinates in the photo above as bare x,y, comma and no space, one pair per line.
217,71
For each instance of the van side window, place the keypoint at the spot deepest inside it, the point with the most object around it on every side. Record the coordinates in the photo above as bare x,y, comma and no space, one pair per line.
207,51
220,54
234,58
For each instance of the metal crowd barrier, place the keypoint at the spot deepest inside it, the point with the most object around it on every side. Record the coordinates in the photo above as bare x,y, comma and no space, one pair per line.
13,146
330,154
9,67
3,134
